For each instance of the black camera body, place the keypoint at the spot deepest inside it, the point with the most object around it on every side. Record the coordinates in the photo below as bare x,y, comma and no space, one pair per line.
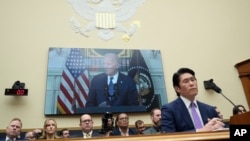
107,122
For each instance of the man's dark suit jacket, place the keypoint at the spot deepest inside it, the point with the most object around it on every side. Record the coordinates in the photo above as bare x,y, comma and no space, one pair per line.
17,139
176,118
117,132
126,92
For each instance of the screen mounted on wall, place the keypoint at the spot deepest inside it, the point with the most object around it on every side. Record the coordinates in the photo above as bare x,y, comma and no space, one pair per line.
84,80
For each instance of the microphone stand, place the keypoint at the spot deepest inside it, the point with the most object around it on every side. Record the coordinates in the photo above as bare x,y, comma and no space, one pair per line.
227,99
211,85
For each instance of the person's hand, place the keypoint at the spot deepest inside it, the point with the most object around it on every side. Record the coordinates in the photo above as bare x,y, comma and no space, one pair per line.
212,125
107,133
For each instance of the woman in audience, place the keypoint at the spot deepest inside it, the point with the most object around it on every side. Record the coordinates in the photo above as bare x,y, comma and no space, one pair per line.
122,126
239,109
49,130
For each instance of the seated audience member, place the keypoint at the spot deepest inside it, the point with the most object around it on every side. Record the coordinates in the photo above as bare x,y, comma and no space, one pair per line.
86,124
64,133
219,113
239,109
49,130
30,136
122,126
155,116
186,113
139,126
13,130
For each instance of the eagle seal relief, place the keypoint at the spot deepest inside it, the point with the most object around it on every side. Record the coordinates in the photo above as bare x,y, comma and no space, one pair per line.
105,16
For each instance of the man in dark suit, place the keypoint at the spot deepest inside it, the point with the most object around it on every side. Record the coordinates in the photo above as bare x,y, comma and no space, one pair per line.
13,130
86,124
178,116
112,88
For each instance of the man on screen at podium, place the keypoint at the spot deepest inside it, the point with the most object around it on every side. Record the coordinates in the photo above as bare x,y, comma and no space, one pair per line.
112,88
186,113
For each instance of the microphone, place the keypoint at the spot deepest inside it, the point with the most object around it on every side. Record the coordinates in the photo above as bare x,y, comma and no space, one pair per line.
209,84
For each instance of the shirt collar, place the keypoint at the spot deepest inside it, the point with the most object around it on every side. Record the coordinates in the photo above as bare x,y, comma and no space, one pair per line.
9,139
115,77
90,133
126,134
188,102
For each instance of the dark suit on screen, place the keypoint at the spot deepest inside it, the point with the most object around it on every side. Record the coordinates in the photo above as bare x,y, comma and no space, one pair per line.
176,118
125,93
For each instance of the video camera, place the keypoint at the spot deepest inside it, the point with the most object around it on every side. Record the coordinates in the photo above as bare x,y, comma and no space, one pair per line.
107,122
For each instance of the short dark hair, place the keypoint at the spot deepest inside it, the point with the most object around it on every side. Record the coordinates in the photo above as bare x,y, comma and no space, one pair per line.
138,122
153,111
176,76
61,132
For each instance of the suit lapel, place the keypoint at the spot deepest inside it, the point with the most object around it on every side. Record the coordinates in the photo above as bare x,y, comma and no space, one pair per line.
185,114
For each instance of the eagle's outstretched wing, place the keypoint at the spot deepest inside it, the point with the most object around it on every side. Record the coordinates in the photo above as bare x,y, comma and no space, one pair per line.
127,9
83,9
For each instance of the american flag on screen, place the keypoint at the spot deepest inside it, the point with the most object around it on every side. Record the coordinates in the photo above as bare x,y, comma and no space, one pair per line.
74,86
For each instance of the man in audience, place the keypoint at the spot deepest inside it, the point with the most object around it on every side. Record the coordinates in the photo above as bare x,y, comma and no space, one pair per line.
86,124
122,126
155,116
140,127
186,113
13,130
64,133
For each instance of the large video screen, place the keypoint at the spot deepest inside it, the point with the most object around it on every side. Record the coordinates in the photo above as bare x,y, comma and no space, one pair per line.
93,80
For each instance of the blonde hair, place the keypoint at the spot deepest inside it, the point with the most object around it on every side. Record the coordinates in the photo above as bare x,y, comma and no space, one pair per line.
44,134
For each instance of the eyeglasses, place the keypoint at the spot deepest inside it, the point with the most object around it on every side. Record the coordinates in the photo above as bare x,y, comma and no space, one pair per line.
124,118
86,121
